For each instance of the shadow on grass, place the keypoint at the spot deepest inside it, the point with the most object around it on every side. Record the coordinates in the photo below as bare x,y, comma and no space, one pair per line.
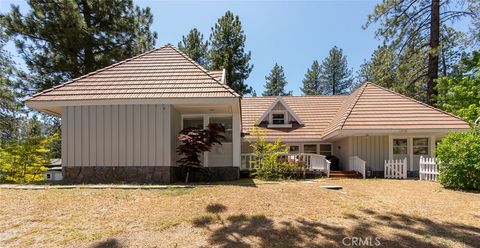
402,230
109,243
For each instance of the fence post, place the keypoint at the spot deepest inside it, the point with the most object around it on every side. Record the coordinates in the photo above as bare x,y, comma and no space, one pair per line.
405,168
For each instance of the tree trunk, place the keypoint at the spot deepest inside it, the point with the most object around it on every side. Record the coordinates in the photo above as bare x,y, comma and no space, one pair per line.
433,58
89,62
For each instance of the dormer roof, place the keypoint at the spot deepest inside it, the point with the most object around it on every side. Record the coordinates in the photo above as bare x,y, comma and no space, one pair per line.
281,101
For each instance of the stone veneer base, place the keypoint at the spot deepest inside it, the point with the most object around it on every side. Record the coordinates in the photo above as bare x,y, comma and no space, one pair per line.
140,174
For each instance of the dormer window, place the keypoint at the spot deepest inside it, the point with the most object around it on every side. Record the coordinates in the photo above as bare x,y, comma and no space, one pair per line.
279,119
279,115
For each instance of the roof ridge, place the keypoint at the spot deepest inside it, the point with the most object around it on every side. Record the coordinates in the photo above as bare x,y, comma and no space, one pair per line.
93,73
346,113
412,99
203,69
354,103
312,96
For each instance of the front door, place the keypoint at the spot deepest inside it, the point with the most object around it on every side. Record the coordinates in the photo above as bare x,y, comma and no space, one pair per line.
401,149
421,147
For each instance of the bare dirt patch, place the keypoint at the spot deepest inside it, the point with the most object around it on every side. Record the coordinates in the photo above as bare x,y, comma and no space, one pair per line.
290,214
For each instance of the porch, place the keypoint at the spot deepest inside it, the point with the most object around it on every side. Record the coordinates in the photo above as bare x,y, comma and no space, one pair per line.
308,163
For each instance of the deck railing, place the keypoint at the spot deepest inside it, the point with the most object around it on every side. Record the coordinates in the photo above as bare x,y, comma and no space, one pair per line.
357,164
309,161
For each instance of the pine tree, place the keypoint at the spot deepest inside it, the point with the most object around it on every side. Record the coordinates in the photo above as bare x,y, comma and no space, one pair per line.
61,40
194,46
228,52
276,82
335,76
9,94
311,82
418,25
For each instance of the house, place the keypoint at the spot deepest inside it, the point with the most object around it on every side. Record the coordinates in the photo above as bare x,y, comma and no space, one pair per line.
54,172
372,123
120,123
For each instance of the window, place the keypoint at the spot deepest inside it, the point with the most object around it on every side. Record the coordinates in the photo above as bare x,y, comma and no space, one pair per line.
400,146
49,176
326,149
420,146
227,123
310,149
294,149
193,122
278,119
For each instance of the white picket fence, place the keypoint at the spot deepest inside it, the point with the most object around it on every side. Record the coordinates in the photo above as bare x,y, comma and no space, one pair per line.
428,169
396,168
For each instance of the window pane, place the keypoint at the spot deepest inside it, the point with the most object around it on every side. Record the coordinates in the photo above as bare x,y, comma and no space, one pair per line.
326,154
420,141
400,150
310,149
325,148
278,119
400,142
227,123
420,150
294,149
196,122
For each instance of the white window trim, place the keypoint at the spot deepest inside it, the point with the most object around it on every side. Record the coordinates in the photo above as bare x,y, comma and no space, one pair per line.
206,120
268,112
301,150
410,157
286,122
428,146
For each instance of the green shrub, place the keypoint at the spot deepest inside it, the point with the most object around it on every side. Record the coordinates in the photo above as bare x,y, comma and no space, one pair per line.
459,160
268,166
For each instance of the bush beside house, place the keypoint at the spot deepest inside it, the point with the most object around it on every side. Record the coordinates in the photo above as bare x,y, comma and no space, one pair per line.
268,166
459,156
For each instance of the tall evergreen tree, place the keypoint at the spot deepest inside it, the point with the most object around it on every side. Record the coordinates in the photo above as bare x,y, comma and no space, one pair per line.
228,52
276,82
311,82
335,76
380,69
61,40
194,46
9,94
417,25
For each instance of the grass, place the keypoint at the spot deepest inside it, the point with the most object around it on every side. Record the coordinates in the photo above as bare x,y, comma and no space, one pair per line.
400,213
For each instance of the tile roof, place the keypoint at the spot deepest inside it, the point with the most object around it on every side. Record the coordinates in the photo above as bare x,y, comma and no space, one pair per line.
217,75
164,72
316,112
370,107
380,108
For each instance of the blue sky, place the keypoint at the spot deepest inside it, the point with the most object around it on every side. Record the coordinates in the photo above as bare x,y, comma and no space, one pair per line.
291,33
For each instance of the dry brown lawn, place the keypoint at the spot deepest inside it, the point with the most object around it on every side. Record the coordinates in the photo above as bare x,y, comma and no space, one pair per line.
289,214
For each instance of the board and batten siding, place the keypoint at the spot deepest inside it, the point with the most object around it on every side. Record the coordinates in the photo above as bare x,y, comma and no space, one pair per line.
373,149
221,156
116,135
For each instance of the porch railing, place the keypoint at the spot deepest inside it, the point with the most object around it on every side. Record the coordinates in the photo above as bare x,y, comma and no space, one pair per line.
311,162
357,164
